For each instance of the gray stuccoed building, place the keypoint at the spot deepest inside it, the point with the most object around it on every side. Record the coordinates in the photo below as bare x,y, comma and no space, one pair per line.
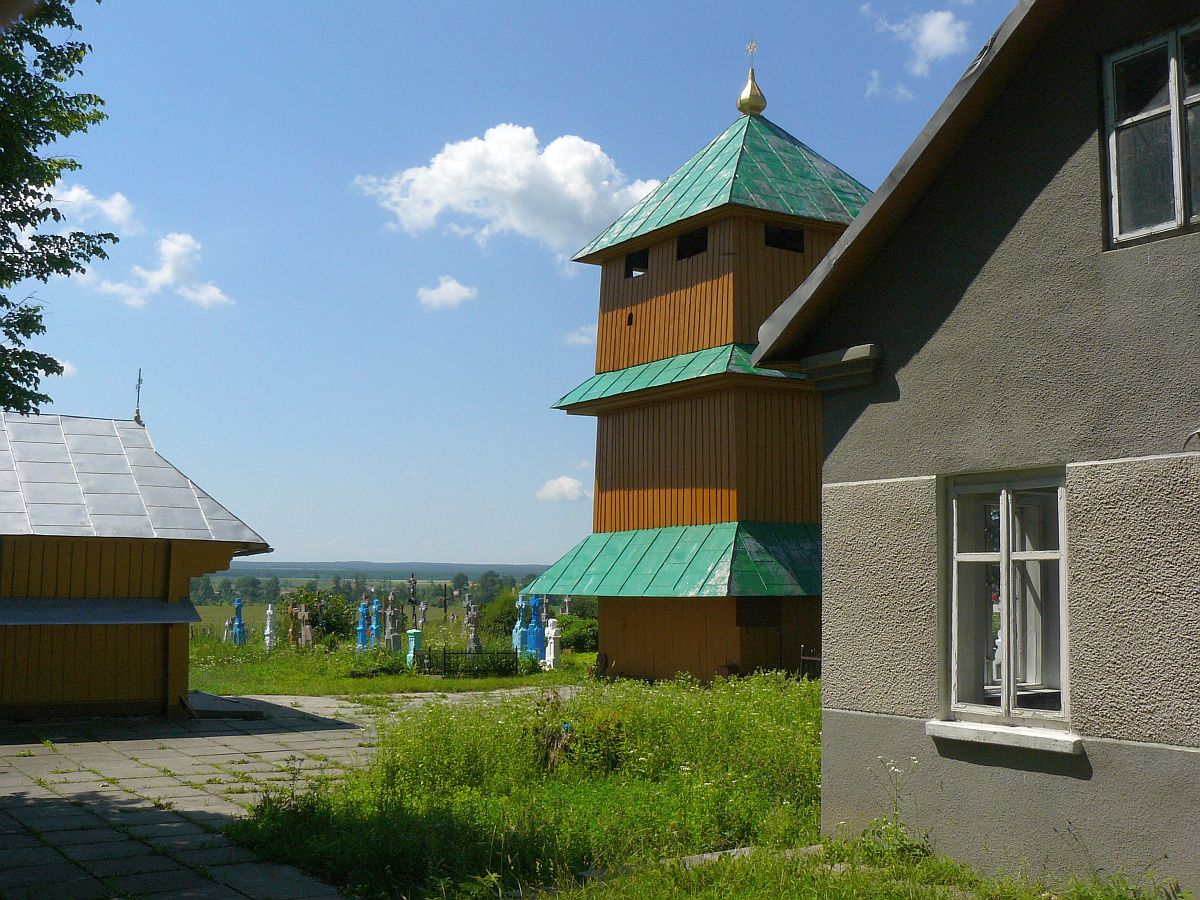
1008,340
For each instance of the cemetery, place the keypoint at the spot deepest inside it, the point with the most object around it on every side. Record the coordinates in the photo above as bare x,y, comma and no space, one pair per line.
304,646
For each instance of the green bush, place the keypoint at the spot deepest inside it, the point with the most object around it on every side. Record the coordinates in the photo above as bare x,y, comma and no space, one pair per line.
584,607
328,613
499,616
580,635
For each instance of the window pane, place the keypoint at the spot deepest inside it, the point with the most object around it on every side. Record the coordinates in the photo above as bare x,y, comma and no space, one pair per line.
1191,64
978,523
1193,131
978,633
1142,83
1035,520
1036,612
1145,174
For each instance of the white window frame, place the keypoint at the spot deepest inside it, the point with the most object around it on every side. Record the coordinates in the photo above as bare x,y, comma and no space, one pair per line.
1177,109
1008,712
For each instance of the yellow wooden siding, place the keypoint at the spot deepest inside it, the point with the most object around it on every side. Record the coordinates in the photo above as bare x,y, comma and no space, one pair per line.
678,306
765,276
49,665
113,667
718,297
725,455
779,456
83,567
666,464
656,638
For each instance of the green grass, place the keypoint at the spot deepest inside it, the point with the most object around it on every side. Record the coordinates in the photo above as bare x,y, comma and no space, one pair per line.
474,801
857,869
220,668
537,790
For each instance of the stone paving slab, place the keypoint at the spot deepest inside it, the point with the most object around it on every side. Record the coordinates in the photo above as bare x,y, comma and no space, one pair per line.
106,808
135,807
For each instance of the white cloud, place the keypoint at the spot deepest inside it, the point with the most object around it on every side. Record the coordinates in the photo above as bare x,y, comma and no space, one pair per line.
178,255
931,36
874,83
448,294
69,368
206,295
563,489
560,194
583,336
583,464
79,205
876,88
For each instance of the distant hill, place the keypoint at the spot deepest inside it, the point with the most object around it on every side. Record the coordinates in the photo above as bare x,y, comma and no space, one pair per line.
425,571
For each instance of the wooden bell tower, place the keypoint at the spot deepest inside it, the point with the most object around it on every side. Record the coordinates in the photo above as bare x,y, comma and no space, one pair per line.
705,551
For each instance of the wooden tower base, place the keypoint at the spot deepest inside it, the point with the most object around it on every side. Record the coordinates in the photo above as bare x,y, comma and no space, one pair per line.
657,638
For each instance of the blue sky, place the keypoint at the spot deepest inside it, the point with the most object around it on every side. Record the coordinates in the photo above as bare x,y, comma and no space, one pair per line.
342,265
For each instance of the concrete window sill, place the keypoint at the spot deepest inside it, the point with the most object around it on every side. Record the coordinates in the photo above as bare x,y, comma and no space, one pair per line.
1043,739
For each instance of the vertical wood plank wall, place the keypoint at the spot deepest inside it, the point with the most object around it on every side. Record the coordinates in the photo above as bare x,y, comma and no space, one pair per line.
658,637
765,276
779,455
745,454
83,567
666,464
677,306
126,667
718,297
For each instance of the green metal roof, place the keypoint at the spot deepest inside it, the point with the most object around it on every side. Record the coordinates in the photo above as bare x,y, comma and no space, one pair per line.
729,359
754,163
732,559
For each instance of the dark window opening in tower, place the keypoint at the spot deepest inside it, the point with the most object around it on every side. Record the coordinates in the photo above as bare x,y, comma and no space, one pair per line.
637,263
691,244
629,320
785,238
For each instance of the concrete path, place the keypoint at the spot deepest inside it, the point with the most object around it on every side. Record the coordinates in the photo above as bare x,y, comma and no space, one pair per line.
134,807
117,808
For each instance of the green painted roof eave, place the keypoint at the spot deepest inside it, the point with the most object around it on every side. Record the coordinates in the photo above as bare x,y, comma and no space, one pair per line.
729,359
753,163
729,559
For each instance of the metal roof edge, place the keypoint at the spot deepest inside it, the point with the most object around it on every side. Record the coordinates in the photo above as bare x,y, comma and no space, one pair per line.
719,565
920,165
730,368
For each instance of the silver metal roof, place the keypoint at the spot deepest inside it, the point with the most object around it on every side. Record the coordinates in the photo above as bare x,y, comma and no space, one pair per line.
67,475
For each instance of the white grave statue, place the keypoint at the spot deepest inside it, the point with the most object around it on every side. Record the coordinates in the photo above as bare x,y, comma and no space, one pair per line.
424,609
552,640
306,635
228,631
566,605
269,628
392,639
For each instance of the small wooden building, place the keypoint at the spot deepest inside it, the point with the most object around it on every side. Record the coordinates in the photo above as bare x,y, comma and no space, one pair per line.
99,539
706,545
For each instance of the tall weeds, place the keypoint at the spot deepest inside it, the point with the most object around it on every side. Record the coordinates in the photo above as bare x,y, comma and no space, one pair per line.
535,791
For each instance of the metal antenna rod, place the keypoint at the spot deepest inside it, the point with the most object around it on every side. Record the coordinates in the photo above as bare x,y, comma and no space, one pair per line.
137,406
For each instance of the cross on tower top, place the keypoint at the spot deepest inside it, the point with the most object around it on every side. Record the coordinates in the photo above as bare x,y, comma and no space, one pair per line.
751,102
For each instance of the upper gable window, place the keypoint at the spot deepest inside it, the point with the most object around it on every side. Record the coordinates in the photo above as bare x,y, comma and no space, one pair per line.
785,238
1152,94
637,263
691,244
